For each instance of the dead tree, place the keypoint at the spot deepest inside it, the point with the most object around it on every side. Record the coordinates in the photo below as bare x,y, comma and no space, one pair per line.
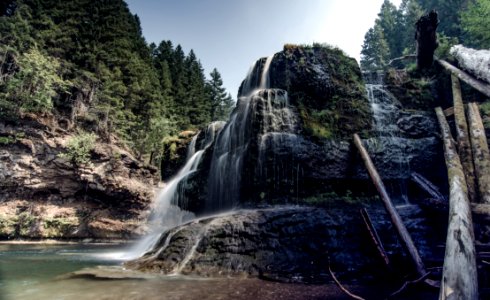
481,154
427,186
459,276
403,233
463,139
479,85
426,38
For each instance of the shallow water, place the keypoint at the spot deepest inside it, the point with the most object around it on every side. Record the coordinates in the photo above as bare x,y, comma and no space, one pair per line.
34,271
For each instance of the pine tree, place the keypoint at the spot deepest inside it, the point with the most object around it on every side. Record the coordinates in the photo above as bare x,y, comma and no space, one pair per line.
199,105
475,22
411,11
221,102
375,51
390,22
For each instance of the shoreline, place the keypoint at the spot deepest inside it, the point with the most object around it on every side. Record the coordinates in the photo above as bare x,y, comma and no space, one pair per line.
67,242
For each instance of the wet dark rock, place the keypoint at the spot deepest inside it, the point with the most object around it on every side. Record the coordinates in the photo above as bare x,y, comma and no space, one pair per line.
287,242
417,124
297,134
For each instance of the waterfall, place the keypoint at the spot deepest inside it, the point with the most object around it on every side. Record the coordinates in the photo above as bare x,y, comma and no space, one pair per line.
261,112
167,212
385,106
386,109
231,145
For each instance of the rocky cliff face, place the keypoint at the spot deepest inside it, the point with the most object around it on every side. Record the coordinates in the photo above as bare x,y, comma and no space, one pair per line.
288,141
289,138
45,196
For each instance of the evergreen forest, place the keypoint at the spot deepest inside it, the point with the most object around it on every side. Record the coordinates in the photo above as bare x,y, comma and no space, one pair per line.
87,62
393,34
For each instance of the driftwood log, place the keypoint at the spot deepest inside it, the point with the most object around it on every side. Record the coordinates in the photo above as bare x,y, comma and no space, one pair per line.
459,275
478,85
427,186
463,139
402,231
481,154
375,237
426,38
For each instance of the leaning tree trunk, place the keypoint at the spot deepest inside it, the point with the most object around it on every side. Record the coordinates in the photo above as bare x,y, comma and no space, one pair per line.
459,275
481,154
463,139
426,38
403,233
479,85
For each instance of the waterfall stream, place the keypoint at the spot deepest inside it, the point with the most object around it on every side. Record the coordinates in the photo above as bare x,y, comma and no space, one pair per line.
386,108
232,143
167,213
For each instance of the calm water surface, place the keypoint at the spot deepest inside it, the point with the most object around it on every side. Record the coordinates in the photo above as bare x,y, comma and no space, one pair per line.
35,271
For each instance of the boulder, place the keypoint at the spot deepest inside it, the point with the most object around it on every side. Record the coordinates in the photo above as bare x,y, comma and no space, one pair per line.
288,243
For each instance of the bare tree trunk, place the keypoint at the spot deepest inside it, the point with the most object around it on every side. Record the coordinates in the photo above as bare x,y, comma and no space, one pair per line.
464,145
459,277
480,86
406,240
375,237
427,186
426,38
481,154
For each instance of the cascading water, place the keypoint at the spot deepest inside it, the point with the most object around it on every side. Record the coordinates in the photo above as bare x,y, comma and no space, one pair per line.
277,124
386,108
167,213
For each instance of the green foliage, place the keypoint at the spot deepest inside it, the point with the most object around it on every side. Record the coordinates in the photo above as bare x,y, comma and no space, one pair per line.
221,102
375,51
89,61
78,149
445,44
475,22
393,32
37,82
485,112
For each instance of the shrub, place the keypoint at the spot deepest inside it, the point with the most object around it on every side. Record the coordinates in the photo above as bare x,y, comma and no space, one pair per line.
78,149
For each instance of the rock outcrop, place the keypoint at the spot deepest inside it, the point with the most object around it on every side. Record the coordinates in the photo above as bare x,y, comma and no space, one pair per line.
289,138
288,243
288,141
45,196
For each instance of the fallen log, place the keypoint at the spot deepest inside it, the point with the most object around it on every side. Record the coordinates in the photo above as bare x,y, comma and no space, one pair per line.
480,86
427,186
402,231
459,276
375,237
463,139
480,211
481,154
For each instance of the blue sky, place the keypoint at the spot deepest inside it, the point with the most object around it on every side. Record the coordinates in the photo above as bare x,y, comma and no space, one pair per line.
231,34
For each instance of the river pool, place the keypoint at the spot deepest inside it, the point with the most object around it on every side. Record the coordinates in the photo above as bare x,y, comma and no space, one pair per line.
38,271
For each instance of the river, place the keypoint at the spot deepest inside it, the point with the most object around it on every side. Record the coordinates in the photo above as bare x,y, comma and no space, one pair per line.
39,271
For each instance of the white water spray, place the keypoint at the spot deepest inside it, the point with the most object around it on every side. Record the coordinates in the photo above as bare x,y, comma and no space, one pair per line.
167,213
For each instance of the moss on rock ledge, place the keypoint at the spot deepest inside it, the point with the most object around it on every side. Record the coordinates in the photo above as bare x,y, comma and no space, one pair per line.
326,86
